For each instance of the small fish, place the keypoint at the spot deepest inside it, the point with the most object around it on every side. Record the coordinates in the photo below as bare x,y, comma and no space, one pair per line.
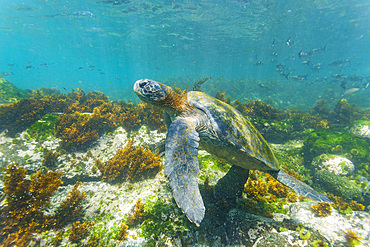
11,64
321,79
64,88
317,50
272,44
317,67
28,67
284,75
289,42
337,76
355,78
80,68
6,73
280,66
298,77
341,63
91,66
307,62
83,13
343,84
259,63
351,90
261,85
303,54
356,89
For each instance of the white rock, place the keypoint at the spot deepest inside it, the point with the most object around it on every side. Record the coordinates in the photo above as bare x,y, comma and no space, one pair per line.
334,226
335,164
360,129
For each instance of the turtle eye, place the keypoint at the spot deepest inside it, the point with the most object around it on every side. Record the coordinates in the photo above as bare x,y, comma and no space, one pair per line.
143,83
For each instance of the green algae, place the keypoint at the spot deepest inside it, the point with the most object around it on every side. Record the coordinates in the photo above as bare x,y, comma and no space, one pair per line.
338,186
333,142
164,223
214,163
44,128
10,93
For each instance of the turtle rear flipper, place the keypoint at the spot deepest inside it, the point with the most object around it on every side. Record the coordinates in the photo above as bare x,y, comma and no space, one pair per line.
232,184
300,187
182,169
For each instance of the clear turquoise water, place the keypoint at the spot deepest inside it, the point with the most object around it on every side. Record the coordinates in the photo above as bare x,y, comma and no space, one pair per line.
107,45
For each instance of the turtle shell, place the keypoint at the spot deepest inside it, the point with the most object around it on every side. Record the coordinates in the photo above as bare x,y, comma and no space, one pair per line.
233,138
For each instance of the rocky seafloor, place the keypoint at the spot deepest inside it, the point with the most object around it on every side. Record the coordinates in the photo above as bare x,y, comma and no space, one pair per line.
109,204
64,183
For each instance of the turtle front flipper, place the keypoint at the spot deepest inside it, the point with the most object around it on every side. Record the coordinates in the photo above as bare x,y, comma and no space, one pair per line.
300,187
182,169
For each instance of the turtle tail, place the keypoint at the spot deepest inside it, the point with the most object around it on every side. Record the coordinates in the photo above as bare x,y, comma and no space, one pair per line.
299,187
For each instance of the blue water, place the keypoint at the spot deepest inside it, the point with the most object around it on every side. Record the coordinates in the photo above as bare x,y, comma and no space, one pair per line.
108,45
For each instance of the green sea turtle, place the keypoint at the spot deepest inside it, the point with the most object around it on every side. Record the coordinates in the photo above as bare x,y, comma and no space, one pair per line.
194,120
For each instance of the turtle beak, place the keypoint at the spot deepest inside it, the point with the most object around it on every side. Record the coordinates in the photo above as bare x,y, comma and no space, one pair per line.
140,84
149,90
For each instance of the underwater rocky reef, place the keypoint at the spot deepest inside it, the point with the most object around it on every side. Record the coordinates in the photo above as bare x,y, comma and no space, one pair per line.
79,169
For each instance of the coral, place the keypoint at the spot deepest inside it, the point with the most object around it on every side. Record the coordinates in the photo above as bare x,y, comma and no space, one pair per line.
138,215
122,234
70,208
323,209
130,163
49,158
25,200
79,231
352,238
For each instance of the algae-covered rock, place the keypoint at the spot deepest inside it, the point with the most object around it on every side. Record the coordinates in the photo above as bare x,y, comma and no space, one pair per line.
10,93
333,163
333,142
360,128
338,186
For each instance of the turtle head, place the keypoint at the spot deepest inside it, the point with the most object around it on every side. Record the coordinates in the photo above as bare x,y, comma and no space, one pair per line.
158,94
151,91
